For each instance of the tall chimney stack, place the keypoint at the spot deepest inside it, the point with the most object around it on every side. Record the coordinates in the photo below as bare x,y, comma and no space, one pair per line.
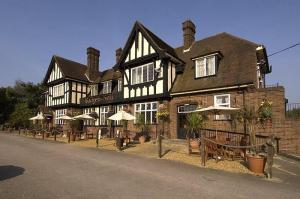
118,54
92,63
189,30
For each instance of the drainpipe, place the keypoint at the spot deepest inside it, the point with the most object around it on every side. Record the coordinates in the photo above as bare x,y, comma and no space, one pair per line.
245,125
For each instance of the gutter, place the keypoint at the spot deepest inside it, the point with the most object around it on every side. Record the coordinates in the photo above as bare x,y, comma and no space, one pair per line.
213,89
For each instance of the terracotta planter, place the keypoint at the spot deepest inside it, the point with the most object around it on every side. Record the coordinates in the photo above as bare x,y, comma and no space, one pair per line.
47,135
142,139
73,137
256,164
194,143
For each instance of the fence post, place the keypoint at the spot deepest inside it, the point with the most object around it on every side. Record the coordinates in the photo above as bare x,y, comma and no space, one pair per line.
159,145
270,154
43,134
97,139
202,148
69,136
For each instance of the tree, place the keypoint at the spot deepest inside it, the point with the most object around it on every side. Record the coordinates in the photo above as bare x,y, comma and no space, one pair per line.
20,116
22,92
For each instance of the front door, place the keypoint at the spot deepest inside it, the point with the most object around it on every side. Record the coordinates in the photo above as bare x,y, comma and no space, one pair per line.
182,112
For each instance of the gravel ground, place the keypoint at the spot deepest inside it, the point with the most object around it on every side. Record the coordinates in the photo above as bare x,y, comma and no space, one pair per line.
171,151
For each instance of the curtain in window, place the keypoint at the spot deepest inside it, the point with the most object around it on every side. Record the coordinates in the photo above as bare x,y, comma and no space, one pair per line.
150,72
139,75
210,63
133,76
200,68
145,74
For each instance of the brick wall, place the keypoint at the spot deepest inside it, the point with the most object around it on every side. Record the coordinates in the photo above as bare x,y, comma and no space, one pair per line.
287,130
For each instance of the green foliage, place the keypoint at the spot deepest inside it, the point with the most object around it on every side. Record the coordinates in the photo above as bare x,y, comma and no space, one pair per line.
22,93
195,122
7,104
295,113
264,111
141,123
19,118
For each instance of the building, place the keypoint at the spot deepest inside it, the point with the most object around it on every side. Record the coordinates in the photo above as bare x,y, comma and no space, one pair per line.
222,70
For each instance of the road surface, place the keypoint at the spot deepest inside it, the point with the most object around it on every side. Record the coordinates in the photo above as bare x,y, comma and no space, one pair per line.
33,168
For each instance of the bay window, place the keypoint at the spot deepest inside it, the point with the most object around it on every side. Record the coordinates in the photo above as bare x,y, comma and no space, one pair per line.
147,111
103,112
88,111
142,74
59,113
58,90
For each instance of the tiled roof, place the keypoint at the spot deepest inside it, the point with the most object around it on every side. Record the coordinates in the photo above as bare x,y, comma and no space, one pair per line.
237,64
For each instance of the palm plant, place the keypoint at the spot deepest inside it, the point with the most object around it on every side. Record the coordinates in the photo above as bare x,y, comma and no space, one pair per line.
195,122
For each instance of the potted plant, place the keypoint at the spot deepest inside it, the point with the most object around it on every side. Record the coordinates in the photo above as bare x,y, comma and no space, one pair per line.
140,123
74,124
163,116
195,122
251,117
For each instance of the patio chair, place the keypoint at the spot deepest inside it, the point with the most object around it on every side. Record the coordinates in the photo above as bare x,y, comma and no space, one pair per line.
214,151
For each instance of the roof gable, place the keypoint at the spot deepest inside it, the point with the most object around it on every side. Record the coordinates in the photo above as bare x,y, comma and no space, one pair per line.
67,68
142,42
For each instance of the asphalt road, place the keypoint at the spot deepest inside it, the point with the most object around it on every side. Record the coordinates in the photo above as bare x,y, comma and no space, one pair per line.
32,168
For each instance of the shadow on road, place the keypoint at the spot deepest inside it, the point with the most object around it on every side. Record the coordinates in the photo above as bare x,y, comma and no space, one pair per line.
10,171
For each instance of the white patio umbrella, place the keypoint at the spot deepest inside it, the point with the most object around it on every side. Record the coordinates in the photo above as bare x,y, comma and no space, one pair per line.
65,117
38,117
84,117
217,110
121,115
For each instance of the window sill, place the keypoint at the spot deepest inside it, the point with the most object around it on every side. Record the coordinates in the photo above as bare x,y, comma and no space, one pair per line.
205,76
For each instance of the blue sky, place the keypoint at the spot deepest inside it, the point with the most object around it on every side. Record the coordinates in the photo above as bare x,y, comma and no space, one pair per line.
32,31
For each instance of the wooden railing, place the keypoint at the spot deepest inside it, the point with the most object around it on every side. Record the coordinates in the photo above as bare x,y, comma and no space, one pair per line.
235,138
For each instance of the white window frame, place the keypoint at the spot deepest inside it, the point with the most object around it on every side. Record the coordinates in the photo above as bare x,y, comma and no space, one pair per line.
58,90
88,122
59,113
103,113
120,82
107,87
151,110
148,78
204,58
119,108
228,104
93,89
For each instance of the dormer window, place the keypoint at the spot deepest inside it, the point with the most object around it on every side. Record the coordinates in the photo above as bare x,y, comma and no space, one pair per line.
205,66
106,87
93,90
142,74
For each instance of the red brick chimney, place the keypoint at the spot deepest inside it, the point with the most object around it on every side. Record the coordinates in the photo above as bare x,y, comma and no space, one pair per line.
92,63
118,54
189,30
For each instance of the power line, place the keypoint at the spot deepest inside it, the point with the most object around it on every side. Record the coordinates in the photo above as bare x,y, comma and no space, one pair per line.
284,49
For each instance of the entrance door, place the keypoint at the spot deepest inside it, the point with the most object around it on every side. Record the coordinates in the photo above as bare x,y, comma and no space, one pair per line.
182,119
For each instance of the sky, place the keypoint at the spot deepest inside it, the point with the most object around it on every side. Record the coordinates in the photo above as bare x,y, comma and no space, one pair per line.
32,31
